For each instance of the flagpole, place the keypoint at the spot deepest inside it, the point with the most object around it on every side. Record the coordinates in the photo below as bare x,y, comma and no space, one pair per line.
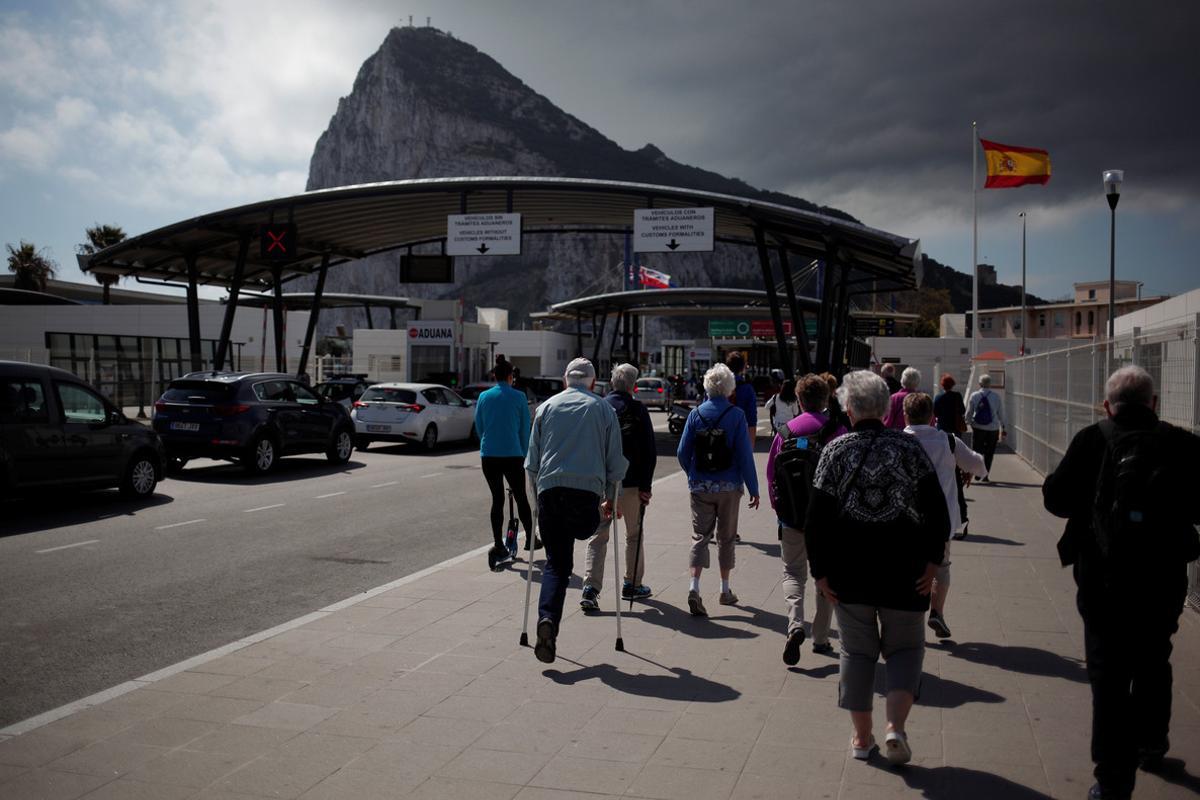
974,241
1023,283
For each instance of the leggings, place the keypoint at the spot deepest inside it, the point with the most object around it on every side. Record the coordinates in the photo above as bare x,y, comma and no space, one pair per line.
497,470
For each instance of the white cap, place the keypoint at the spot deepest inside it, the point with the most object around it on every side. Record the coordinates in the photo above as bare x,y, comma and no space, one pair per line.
580,368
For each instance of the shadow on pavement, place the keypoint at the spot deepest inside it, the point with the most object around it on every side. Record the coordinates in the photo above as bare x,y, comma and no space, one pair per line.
955,783
1029,660
43,511
289,468
942,692
1012,485
977,538
414,450
773,549
1174,771
817,672
681,684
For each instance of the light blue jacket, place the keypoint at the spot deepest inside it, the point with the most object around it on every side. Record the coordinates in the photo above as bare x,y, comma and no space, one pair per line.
575,443
502,422
736,435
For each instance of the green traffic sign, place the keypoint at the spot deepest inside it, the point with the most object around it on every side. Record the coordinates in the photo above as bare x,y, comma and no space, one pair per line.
728,327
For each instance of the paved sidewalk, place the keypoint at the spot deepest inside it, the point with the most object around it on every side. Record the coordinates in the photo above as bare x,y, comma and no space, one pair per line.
421,691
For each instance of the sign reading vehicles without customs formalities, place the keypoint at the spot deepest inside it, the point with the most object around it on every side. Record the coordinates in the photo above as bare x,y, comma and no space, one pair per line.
483,235
673,230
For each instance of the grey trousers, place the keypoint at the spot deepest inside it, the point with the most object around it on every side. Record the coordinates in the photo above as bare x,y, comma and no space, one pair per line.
865,633
795,575
597,549
714,511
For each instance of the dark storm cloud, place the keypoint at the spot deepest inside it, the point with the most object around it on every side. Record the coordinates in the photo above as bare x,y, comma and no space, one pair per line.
846,93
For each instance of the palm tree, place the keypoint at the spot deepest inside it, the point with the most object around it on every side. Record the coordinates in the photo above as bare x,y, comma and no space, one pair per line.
99,237
31,266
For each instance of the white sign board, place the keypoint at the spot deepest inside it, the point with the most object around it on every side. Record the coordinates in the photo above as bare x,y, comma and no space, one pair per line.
431,332
483,235
673,230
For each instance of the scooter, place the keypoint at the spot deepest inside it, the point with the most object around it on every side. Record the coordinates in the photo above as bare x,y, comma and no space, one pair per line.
501,557
677,415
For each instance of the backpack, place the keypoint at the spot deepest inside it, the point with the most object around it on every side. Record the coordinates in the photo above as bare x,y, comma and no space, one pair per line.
983,410
795,465
628,419
1135,492
713,453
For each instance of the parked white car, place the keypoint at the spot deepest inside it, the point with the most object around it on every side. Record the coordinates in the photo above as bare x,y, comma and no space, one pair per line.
424,413
654,393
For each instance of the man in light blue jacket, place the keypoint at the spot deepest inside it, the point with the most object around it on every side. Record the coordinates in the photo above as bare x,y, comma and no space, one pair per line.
575,460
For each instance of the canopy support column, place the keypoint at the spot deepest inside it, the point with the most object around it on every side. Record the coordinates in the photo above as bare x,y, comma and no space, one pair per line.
392,312
764,259
837,359
578,333
798,329
370,322
314,313
598,337
277,312
235,288
193,312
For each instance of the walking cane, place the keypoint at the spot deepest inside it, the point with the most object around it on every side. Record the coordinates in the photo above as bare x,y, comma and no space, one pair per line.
637,554
615,498
533,537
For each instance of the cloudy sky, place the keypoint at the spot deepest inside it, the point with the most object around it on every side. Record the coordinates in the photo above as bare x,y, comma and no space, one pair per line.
144,113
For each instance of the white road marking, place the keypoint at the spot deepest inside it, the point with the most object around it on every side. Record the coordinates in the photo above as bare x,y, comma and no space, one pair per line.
381,485
263,508
178,524
431,475
67,546
331,494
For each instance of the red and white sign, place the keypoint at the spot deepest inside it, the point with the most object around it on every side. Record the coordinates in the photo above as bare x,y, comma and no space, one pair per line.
765,328
431,332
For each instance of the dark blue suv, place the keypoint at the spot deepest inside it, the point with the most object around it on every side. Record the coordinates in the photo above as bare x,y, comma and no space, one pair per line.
251,418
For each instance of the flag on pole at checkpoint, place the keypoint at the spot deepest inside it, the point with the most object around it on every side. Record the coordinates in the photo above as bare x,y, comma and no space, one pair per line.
1009,165
653,279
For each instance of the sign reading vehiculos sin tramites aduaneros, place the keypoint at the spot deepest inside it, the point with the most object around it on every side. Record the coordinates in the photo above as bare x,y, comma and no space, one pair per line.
483,235
672,230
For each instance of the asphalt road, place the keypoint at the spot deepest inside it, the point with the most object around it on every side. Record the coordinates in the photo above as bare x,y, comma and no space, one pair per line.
96,590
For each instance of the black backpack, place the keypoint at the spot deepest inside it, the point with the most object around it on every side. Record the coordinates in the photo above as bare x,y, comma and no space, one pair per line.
795,465
713,453
628,419
1135,492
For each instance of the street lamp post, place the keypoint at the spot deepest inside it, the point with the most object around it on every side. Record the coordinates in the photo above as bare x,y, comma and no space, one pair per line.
1112,189
1022,215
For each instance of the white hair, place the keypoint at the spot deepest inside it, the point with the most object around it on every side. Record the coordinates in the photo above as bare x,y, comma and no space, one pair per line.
911,378
1132,385
864,395
624,377
719,381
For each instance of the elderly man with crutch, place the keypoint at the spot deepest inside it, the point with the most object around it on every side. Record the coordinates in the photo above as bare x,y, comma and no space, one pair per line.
576,464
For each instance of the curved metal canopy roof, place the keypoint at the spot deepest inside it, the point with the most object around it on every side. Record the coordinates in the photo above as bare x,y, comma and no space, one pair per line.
351,222
328,300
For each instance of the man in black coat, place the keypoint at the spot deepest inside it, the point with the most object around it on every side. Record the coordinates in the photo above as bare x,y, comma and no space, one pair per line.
1131,589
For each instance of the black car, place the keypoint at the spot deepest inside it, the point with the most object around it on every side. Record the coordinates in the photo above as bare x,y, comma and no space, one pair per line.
57,431
344,389
251,418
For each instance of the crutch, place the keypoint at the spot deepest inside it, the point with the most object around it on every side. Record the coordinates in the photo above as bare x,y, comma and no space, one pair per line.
533,539
637,554
612,532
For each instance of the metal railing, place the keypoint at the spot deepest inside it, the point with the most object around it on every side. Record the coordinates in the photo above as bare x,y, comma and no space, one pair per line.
1052,396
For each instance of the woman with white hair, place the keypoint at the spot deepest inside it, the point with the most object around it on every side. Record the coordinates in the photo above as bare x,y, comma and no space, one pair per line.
910,381
715,452
877,527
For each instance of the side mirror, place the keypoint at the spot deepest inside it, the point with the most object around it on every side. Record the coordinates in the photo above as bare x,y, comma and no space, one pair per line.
116,417
468,403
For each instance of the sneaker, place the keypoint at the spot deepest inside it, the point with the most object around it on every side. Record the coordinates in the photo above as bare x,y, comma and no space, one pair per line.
639,592
544,649
862,753
1150,759
590,599
791,650
823,648
896,748
938,624
696,605
1098,792
728,598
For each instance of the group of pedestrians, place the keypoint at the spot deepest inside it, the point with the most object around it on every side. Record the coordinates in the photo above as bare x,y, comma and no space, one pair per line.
880,497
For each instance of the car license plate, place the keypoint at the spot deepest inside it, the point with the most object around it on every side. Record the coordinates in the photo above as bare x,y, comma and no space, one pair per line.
379,429
185,426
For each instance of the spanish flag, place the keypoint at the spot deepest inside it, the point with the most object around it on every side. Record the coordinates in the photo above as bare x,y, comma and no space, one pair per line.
1009,165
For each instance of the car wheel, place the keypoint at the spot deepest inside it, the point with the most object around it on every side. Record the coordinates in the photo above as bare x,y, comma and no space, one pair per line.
262,456
141,476
342,446
429,440
361,443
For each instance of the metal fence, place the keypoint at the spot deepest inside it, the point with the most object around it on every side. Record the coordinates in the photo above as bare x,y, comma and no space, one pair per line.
1052,396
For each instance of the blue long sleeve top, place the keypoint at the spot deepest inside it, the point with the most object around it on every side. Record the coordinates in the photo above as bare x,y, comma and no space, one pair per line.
736,435
502,422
